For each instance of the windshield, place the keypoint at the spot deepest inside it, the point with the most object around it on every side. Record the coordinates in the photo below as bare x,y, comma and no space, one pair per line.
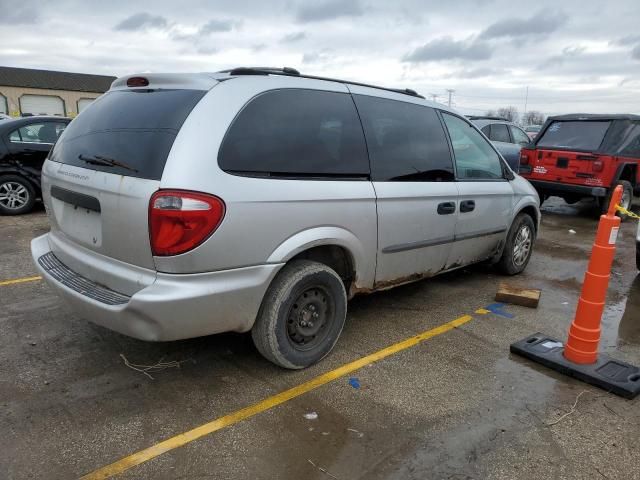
576,135
127,132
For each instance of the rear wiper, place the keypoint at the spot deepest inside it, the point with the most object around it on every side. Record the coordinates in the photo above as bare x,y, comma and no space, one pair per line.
106,162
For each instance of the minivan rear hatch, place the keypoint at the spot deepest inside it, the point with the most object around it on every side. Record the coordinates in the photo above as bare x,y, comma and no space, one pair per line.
105,167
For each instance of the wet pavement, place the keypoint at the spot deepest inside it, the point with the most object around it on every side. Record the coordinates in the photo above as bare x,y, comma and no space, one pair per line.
457,406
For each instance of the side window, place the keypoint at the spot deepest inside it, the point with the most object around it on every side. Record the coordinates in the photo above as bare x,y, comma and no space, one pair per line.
519,136
295,132
406,141
15,136
500,133
38,133
475,158
486,130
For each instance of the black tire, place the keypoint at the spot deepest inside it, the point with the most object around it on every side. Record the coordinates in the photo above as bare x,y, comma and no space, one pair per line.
512,262
627,196
543,197
17,195
301,316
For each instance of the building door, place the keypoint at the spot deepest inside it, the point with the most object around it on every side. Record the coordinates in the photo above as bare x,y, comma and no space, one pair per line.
42,105
84,103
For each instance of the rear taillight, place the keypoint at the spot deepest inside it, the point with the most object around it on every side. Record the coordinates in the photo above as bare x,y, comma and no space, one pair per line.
137,82
598,166
180,221
524,158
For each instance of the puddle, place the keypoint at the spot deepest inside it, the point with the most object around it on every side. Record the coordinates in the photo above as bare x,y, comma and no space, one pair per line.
629,327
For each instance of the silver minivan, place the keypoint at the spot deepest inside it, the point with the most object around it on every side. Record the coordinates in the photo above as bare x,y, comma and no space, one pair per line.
261,200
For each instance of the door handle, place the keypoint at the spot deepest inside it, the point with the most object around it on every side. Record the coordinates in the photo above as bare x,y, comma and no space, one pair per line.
446,208
467,206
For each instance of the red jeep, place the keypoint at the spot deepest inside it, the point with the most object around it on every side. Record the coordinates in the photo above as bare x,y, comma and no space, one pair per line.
582,155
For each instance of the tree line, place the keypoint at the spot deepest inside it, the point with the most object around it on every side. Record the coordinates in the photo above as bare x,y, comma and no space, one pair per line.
532,117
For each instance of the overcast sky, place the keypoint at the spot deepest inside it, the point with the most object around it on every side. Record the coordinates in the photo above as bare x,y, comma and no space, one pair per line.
575,56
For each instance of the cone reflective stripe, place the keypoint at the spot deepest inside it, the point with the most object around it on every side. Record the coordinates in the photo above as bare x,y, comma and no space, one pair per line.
584,334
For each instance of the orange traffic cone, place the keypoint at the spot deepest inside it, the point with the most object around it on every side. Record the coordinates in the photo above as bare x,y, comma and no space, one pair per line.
579,357
584,334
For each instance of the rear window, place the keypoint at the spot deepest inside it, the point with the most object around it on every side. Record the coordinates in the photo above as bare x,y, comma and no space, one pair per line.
127,132
578,135
296,133
499,133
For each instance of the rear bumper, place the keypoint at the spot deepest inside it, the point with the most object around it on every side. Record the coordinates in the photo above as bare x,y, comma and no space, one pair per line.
561,189
172,307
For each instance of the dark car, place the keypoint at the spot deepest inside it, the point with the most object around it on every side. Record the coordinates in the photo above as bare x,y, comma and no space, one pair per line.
506,136
24,145
498,129
585,155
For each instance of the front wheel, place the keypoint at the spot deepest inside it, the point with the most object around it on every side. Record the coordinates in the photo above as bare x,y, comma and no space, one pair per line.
301,316
519,246
17,195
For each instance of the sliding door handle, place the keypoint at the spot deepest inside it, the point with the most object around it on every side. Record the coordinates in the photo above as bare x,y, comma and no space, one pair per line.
467,206
446,208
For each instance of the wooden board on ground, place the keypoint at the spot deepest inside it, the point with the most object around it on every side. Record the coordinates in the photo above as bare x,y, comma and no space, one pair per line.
518,296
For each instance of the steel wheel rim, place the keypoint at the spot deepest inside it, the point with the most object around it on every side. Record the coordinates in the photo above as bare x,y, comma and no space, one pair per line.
522,245
309,318
13,195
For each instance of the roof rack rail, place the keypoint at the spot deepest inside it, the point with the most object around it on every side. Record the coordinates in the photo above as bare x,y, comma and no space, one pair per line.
292,72
486,117
262,71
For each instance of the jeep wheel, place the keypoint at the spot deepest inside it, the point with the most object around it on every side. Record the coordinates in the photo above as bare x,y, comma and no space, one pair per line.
301,316
517,251
17,195
627,198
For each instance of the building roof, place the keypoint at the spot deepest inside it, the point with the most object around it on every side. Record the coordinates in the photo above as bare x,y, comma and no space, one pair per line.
50,80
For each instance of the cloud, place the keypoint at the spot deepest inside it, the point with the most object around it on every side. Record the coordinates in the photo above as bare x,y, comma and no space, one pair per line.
293,37
626,40
19,13
559,60
481,72
542,23
215,26
635,53
141,21
316,57
446,48
329,9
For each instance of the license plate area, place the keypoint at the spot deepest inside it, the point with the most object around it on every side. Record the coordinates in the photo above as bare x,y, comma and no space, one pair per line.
562,162
78,223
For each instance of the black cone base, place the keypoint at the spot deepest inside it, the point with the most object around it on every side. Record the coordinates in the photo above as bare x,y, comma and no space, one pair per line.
612,375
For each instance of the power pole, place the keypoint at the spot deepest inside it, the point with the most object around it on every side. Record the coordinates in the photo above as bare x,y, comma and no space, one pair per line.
450,91
526,100
434,96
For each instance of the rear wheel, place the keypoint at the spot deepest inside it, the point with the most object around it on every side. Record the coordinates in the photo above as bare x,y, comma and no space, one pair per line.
301,316
627,198
17,195
519,246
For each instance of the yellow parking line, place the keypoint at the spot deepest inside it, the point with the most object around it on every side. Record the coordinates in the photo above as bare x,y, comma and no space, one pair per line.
19,280
183,438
